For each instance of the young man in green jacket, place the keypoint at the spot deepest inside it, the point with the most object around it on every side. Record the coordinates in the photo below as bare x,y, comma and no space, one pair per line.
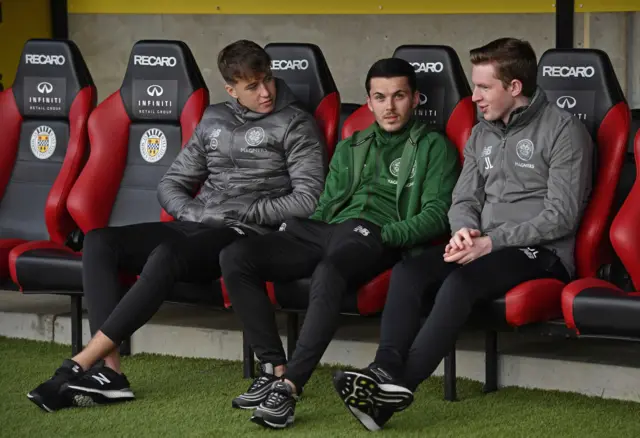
388,190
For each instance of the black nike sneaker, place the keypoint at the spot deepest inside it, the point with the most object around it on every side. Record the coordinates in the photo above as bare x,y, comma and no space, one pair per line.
277,411
372,395
99,386
258,390
51,395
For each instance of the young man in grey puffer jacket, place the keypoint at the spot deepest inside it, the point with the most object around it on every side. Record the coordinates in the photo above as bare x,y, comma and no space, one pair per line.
251,164
517,206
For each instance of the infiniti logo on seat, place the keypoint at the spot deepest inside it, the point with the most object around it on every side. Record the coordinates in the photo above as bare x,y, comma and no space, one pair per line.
45,88
566,102
155,90
423,99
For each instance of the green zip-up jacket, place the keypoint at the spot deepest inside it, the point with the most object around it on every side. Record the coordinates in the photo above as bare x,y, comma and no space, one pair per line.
421,207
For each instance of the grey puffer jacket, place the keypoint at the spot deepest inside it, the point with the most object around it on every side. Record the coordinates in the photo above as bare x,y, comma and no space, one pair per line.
527,183
256,170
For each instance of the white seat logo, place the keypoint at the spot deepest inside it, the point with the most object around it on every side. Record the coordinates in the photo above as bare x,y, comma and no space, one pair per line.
153,61
423,99
45,88
563,71
44,59
289,64
427,67
566,102
155,90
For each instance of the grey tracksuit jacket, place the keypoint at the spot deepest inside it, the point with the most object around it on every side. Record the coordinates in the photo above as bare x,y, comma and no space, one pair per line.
256,170
526,183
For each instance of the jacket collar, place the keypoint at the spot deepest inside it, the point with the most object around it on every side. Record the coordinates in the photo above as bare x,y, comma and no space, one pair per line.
284,98
520,116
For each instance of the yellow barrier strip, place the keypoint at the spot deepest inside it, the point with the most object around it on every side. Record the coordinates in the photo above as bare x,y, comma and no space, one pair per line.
339,7
607,5
283,7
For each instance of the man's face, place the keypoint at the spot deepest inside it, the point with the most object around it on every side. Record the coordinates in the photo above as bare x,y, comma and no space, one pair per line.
494,101
257,94
391,101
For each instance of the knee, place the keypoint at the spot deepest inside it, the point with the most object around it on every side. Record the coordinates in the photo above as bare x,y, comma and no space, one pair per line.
409,279
99,240
328,274
457,288
234,257
165,257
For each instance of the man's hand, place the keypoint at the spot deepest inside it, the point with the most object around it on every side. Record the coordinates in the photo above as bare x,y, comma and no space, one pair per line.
462,239
481,246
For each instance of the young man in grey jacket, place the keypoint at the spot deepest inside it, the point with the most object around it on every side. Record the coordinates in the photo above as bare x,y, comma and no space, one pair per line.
252,163
516,208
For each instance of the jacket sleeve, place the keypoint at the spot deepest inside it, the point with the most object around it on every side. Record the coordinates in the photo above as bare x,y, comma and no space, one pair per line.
441,176
182,180
305,153
333,183
468,194
569,186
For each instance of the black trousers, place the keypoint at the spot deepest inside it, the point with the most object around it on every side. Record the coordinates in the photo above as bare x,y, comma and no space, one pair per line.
162,253
339,258
447,292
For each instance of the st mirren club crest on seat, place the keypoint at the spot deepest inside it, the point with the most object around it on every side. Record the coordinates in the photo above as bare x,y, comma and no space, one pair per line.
43,142
153,145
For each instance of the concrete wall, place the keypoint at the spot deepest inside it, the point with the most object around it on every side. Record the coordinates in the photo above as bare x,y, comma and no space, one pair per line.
350,43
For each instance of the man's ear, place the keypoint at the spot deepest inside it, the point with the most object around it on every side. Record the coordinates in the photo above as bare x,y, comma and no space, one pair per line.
516,88
369,103
231,90
416,99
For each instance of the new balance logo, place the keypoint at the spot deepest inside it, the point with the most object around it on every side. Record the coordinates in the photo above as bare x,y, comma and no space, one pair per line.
362,230
101,379
532,253
487,163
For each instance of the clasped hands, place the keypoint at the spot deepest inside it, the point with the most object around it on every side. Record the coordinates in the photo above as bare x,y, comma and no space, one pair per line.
466,245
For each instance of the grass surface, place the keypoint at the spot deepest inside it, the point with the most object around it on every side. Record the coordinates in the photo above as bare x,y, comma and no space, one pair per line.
179,397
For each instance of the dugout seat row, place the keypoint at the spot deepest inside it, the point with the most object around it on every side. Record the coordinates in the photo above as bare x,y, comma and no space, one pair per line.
580,81
56,187
137,131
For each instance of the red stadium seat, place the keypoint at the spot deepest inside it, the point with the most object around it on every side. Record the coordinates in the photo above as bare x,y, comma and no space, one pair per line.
43,146
594,307
135,135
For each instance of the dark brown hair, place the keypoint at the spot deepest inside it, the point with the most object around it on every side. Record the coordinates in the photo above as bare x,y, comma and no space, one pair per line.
391,68
513,59
243,59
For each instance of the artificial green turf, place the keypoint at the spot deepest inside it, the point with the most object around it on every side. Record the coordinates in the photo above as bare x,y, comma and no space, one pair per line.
179,397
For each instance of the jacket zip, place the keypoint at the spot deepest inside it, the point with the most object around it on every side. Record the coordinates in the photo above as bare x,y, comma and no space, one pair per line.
414,144
376,176
350,174
233,134
502,171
